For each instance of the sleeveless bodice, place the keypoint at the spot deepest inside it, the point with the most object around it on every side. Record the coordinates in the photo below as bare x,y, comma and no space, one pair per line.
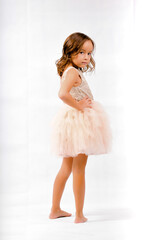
79,92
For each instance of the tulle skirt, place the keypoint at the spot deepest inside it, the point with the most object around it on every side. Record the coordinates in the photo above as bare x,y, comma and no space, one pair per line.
74,132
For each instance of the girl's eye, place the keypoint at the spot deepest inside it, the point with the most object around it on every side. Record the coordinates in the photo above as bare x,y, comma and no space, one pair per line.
83,52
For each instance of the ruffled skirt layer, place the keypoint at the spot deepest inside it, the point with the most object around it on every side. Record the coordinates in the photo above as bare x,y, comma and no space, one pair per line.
86,131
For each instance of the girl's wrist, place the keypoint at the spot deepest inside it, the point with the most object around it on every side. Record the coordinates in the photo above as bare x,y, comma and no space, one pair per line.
69,100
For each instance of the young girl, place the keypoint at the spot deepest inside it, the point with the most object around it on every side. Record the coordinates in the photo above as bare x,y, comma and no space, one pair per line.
81,126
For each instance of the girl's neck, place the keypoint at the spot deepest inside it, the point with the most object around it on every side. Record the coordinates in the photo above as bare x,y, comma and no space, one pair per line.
72,65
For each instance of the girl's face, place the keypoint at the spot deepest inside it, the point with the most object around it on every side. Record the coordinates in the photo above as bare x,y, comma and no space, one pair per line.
82,59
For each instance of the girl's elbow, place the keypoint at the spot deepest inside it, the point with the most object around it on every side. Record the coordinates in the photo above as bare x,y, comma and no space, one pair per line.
61,95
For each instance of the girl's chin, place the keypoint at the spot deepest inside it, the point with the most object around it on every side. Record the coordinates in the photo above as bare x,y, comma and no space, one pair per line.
81,65
84,65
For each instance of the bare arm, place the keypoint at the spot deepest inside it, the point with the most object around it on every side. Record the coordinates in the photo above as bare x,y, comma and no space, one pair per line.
65,96
68,99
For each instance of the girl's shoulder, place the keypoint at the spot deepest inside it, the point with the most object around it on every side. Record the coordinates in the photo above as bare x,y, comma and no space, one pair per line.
73,70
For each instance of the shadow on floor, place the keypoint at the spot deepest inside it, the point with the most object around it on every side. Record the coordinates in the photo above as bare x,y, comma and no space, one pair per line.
109,214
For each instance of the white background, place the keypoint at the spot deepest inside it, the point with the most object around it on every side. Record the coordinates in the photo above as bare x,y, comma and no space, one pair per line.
121,187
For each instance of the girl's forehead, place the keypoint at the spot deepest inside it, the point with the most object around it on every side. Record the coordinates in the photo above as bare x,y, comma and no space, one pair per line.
87,46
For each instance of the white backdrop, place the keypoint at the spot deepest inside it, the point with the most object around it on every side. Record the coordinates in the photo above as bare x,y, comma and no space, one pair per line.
33,33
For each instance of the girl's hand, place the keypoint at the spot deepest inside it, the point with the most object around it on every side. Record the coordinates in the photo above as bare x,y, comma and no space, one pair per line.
85,103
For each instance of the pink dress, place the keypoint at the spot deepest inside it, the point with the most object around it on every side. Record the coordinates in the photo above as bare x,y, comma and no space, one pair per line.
75,131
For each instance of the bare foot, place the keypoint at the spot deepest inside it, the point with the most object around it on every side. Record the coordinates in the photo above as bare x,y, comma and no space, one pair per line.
80,219
58,214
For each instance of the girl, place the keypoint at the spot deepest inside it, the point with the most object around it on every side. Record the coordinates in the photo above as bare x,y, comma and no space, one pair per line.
81,127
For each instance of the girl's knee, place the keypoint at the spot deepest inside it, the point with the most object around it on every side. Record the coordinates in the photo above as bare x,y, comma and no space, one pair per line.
66,167
65,172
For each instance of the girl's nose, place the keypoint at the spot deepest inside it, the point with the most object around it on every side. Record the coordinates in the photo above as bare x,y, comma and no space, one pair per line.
86,56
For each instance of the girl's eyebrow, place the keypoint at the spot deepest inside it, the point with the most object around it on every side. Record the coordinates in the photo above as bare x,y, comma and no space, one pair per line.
85,50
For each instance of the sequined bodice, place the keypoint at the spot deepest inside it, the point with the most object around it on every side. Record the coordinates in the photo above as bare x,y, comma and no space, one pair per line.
79,92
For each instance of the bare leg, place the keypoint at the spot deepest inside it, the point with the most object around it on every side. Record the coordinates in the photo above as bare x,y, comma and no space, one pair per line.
59,185
78,168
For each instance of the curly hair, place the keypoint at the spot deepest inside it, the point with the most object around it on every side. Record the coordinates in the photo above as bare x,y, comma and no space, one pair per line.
72,46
